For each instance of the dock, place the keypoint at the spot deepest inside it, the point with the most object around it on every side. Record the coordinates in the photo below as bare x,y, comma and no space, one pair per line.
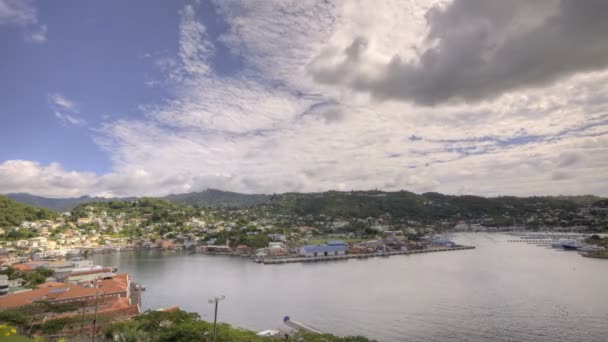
359,256
300,326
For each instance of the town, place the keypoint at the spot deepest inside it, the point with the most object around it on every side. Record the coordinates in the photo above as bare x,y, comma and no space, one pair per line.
45,256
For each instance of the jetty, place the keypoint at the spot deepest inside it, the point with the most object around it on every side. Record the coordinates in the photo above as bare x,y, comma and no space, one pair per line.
268,261
300,326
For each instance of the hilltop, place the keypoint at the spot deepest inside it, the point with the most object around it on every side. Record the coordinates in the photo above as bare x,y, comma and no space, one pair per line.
215,198
58,204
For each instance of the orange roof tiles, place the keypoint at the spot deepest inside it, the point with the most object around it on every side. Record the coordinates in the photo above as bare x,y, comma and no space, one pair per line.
22,267
53,291
50,284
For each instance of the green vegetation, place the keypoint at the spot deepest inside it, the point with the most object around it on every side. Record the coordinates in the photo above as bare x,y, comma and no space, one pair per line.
180,326
319,241
154,210
27,319
218,198
32,278
13,213
598,241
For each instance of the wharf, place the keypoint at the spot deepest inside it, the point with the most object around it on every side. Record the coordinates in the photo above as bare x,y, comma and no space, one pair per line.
359,256
534,241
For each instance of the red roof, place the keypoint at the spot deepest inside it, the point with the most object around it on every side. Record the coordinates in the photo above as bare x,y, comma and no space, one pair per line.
52,291
22,267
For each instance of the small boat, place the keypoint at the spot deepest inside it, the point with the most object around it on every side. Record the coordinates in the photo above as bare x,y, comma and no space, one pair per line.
571,245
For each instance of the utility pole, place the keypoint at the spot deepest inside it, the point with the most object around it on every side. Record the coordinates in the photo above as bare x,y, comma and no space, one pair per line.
216,301
82,319
95,318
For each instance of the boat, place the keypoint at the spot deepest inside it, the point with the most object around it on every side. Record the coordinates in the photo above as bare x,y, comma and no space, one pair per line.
571,245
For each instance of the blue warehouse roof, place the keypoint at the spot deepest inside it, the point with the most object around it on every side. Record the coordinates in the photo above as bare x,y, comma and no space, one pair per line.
335,247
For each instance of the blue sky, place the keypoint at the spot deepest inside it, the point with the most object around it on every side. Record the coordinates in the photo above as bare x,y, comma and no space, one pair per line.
155,97
95,55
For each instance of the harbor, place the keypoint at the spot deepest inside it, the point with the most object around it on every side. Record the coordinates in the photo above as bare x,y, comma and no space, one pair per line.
343,296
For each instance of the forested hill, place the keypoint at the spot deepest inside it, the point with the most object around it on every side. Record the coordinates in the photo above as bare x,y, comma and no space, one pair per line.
217,198
429,206
57,204
13,213
207,198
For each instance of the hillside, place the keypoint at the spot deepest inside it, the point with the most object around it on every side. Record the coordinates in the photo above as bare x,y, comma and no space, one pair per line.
427,208
431,207
13,213
57,204
158,210
216,198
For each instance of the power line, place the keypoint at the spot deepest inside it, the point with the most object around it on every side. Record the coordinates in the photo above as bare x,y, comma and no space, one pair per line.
215,300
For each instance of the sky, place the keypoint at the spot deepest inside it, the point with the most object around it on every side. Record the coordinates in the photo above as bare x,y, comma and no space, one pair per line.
151,97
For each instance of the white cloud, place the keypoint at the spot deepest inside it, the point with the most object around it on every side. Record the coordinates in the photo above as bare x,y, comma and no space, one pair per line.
61,101
65,110
271,127
17,12
23,14
38,35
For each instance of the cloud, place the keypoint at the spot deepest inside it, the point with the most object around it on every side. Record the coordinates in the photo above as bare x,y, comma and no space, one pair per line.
39,35
277,130
479,49
273,126
17,12
50,180
65,110
23,14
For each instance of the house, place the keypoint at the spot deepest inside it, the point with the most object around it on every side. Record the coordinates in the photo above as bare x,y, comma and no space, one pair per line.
20,243
277,249
165,244
110,297
243,250
43,230
83,220
331,248
8,259
4,284
277,237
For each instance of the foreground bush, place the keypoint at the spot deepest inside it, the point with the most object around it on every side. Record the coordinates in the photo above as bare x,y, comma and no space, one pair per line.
181,326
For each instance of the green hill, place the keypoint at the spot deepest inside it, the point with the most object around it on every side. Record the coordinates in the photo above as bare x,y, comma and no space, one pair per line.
13,213
218,198
57,204
428,207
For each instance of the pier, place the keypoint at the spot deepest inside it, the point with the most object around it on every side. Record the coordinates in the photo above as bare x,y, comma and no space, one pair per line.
359,256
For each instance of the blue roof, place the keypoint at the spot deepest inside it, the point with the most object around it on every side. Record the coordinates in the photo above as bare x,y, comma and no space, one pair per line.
323,248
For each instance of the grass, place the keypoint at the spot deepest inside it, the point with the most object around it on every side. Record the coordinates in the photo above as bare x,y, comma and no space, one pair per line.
324,240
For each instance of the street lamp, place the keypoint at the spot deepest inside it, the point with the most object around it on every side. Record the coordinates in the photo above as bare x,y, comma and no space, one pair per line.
215,300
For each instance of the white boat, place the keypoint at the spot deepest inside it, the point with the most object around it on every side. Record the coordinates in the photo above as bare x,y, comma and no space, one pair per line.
270,332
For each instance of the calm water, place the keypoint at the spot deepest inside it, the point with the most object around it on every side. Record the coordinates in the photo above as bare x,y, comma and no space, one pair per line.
500,291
